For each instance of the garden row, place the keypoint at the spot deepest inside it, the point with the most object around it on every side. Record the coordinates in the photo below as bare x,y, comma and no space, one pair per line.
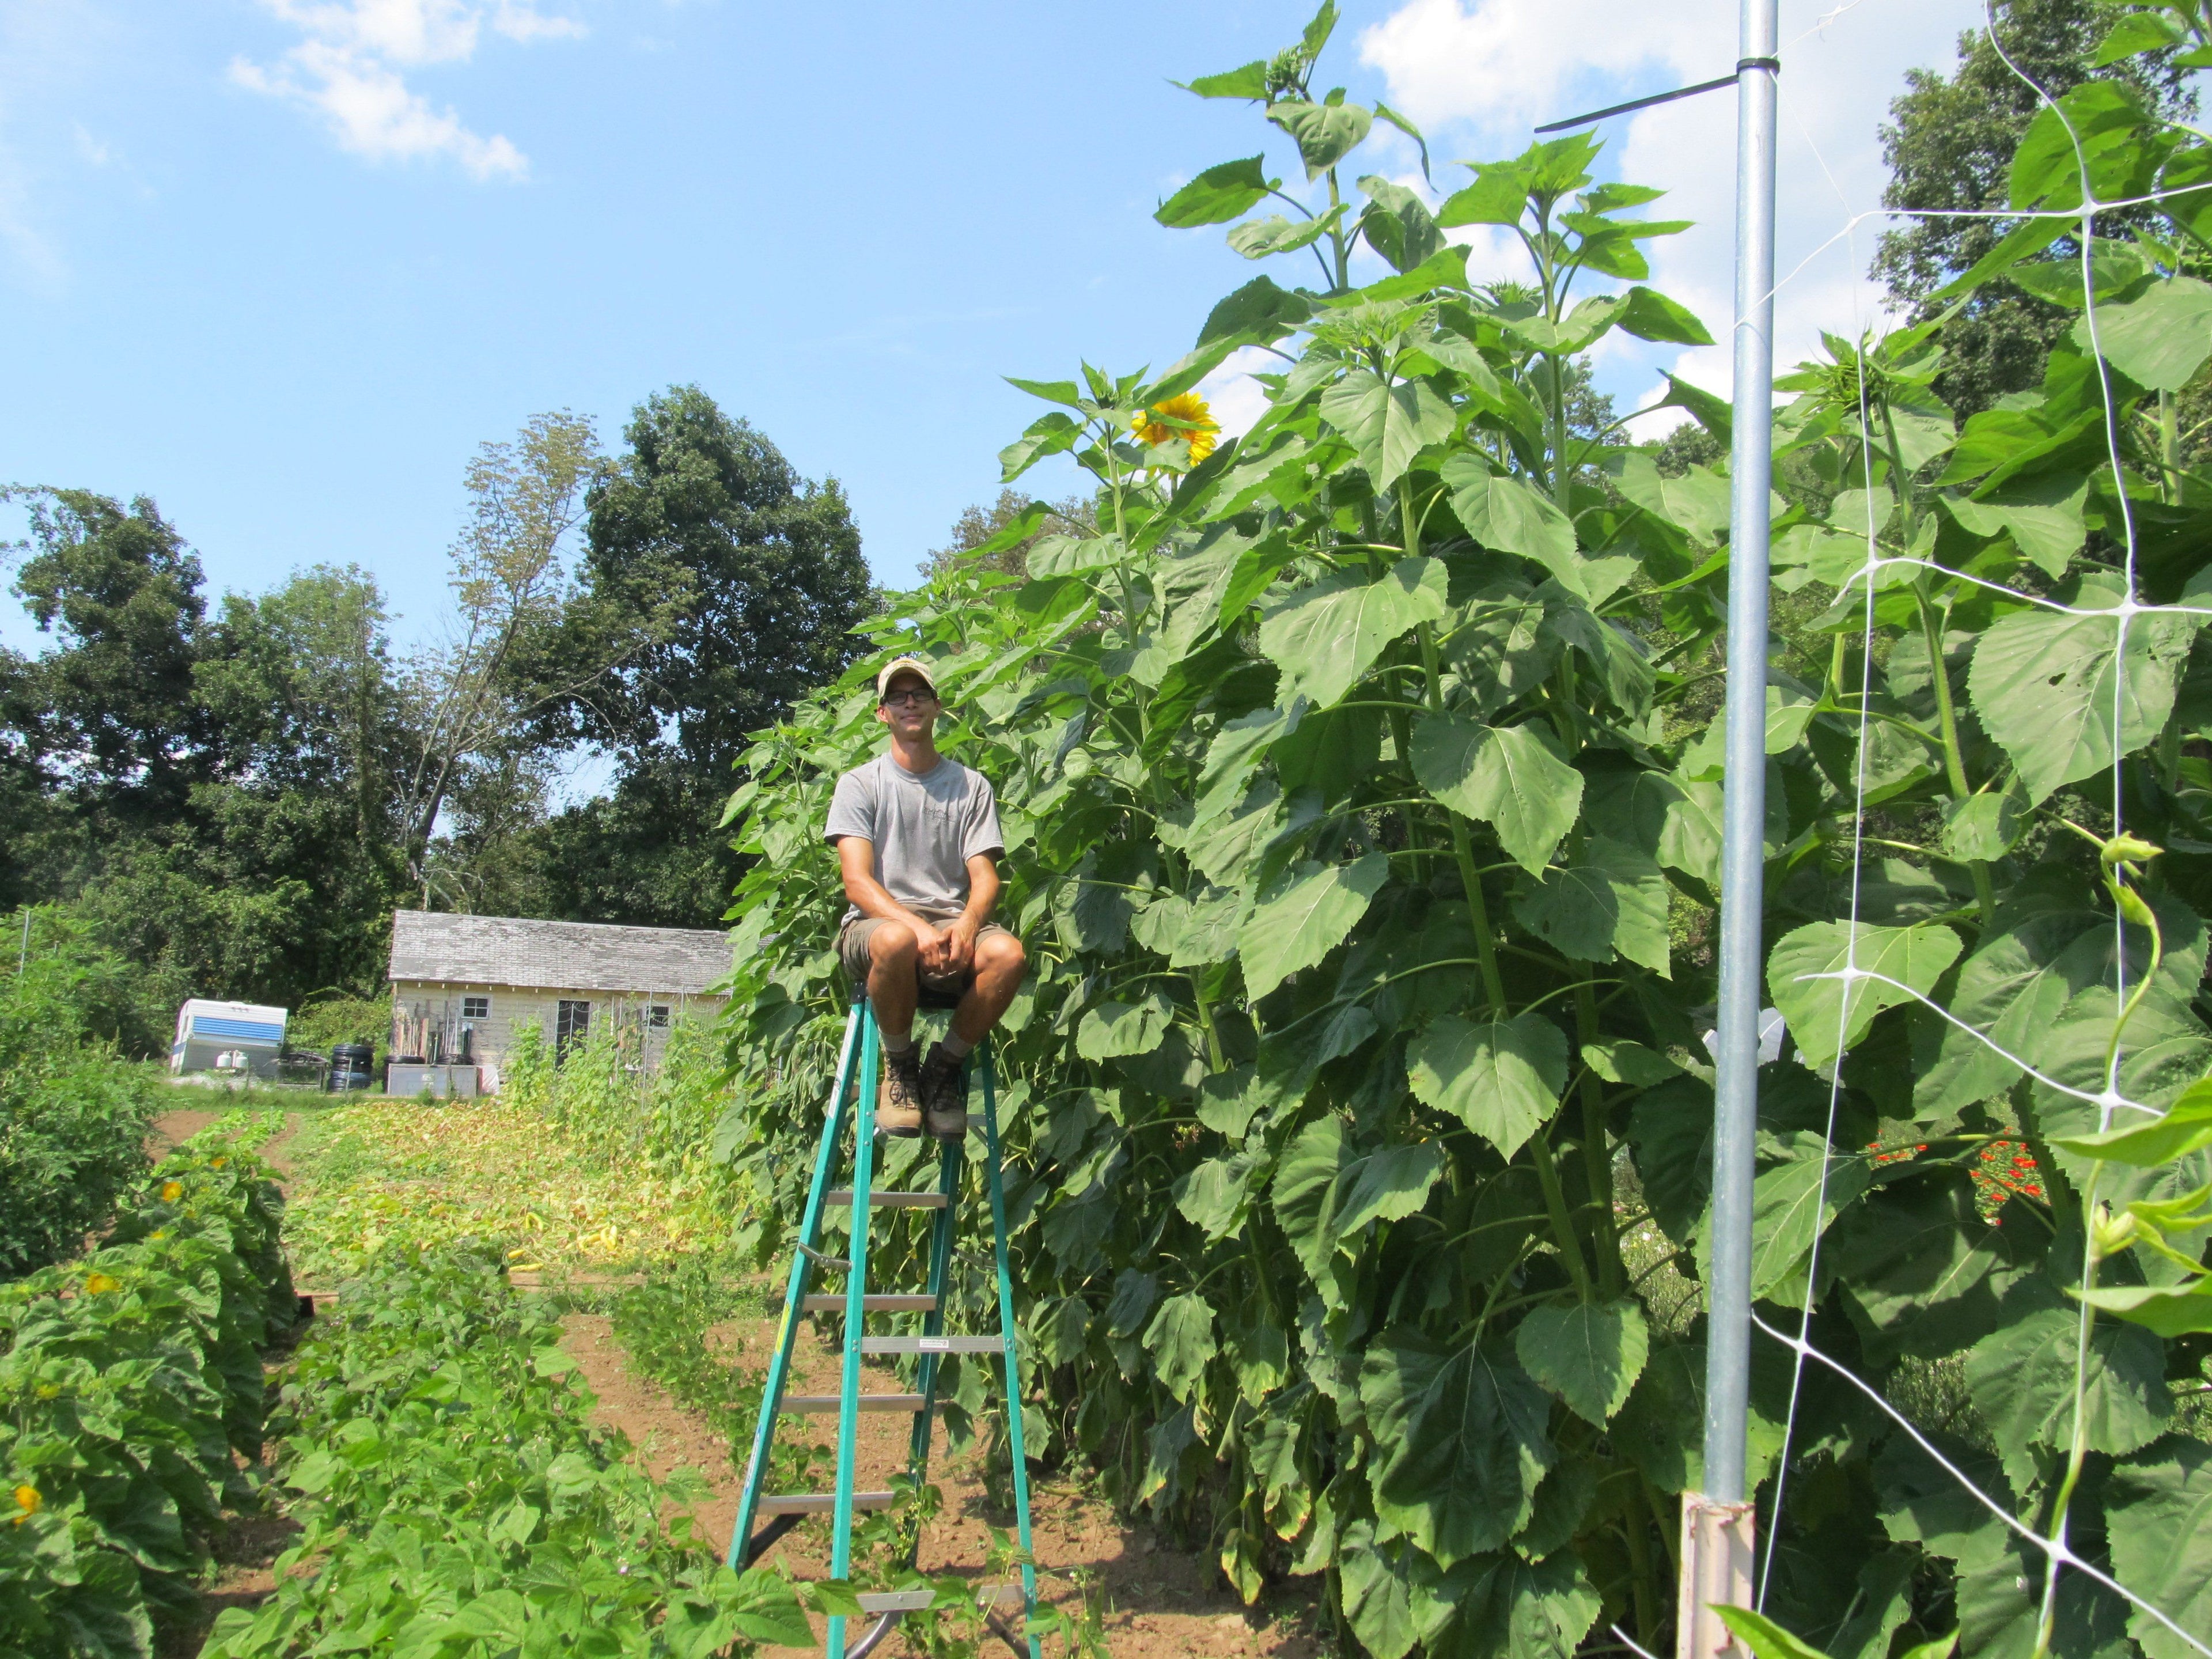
131,1385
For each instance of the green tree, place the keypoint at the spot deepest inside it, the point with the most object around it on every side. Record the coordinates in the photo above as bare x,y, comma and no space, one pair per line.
759,575
1950,145
113,706
978,525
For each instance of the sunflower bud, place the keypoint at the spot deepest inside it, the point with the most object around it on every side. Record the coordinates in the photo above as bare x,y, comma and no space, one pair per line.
2127,849
2114,1234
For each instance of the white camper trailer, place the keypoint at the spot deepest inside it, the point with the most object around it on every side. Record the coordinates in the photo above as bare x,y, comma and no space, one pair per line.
240,1039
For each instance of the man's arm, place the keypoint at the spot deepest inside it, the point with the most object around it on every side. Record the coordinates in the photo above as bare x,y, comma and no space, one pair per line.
856,857
983,895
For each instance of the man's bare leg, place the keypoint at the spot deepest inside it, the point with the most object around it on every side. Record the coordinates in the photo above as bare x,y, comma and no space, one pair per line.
1001,965
893,986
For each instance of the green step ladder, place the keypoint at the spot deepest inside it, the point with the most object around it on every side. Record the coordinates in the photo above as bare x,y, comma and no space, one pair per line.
782,1511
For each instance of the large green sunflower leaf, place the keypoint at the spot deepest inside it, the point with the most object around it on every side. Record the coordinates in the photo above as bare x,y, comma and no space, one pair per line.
1181,1341
1815,1007
1588,1354
1388,422
2047,686
1325,636
2022,1380
1501,1078
2158,1509
1306,917
1612,898
1512,1608
1461,1439
1219,193
1506,776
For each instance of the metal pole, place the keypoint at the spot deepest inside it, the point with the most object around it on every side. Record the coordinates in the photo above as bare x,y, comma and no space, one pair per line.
1717,1524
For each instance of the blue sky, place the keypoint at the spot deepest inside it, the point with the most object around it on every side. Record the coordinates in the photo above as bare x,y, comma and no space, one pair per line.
282,264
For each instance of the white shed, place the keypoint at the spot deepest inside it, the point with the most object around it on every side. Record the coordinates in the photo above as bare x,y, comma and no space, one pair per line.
461,986
224,1037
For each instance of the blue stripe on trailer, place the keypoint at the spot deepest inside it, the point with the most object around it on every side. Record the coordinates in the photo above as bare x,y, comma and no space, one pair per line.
236,1030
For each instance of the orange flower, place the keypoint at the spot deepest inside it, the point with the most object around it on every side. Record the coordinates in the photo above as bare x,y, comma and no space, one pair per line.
172,1191
28,1502
1186,416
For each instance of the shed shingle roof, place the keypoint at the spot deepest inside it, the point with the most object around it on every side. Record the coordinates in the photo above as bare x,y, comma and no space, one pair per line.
579,955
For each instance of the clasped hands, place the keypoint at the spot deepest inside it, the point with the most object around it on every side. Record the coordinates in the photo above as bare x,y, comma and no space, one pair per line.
942,952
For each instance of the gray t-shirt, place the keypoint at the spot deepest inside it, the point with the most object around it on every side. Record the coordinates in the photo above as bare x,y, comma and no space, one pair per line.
925,829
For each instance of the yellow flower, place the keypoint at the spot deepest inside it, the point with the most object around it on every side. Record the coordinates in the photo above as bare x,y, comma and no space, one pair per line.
217,1162
28,1501
1186,416
172,1191
100,1284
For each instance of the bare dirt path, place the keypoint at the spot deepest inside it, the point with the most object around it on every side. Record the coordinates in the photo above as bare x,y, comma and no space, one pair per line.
1161,1603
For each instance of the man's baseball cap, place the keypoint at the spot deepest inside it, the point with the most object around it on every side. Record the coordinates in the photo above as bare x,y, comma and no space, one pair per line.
897,665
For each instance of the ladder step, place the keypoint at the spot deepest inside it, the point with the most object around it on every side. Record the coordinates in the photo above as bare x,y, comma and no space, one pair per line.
821,1502
818,1404
842,1198
933,1345
835,1303
895,1601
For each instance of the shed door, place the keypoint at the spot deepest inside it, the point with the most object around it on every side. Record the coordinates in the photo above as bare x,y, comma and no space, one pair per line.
572,1025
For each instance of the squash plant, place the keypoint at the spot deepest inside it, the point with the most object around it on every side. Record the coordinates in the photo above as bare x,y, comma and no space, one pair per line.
1362,795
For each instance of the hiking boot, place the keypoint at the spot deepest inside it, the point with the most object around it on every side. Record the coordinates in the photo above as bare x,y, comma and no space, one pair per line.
945,1094
898,1102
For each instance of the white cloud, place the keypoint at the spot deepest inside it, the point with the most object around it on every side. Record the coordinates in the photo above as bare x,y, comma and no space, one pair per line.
1480,74
1233,396
348,68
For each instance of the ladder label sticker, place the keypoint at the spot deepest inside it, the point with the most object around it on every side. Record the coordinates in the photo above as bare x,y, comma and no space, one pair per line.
935,1344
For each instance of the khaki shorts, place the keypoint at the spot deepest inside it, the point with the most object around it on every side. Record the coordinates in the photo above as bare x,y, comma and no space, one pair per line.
853,950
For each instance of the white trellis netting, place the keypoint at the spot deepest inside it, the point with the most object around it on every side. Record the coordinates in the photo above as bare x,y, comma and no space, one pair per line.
2045,1529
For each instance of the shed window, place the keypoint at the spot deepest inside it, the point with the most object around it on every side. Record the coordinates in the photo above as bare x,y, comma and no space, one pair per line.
476,1007
657,1016
571,1025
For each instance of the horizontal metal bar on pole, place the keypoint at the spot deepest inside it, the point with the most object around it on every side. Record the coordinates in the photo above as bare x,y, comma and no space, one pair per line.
842,1198
833,1301
821,1261
821,1502
821,1404
872,1344
1637,103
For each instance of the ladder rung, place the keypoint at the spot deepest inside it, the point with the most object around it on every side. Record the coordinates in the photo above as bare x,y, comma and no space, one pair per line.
821,1502
833,1301
818,1404
895,1601
841,1197
933,1345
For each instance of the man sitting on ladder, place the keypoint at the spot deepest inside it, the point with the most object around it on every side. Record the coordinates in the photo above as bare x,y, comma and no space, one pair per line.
917,836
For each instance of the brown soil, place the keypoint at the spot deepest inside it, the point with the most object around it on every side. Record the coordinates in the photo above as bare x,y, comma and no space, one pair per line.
1160,1603
173,1129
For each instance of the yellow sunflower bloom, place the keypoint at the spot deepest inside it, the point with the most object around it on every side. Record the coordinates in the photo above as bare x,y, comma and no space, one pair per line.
1186,416
172,1191
28,1501
217,1162
100,1284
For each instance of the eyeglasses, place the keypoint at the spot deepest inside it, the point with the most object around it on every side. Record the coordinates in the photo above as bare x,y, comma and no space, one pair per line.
910,695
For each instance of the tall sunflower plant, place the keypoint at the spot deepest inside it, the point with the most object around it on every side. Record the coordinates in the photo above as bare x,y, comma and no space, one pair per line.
1361,788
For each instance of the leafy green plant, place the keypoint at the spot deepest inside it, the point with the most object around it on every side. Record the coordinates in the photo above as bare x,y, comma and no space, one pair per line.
1363,802
127,1382
455,1496
74,1115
